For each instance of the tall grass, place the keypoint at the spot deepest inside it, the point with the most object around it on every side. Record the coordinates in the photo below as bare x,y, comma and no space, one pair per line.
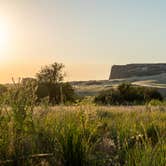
83,135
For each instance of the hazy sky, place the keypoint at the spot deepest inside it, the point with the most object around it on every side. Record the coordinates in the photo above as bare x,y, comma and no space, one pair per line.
88,36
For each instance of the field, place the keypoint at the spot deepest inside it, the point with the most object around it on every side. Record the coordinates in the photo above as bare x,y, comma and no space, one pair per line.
83,135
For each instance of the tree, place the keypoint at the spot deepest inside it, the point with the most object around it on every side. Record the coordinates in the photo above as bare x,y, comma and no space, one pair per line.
50,84
51,74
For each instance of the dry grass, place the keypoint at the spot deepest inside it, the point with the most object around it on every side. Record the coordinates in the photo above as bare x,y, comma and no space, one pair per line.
86,135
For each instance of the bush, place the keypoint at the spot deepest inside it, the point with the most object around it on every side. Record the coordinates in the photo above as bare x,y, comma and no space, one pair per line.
152,93
155,103
110,97
57,93
126,94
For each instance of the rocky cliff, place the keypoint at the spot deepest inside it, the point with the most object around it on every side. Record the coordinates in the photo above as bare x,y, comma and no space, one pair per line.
132,70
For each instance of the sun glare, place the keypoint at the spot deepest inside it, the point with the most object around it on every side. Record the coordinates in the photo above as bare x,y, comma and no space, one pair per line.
4,36
4,39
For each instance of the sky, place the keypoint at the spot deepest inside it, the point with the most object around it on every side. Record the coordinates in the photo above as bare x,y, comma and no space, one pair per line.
87,36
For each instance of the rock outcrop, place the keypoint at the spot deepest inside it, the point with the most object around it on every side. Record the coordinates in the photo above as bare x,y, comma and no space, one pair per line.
135,70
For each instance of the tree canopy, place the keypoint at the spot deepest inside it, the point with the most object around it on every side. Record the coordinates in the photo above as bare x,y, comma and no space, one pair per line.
51,74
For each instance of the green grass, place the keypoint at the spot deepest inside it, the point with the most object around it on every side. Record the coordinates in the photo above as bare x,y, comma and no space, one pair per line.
84,135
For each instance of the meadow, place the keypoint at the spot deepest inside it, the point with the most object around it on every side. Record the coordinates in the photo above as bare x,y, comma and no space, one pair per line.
82,135
43,122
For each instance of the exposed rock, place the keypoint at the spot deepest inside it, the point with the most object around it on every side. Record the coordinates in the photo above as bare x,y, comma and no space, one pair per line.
132,70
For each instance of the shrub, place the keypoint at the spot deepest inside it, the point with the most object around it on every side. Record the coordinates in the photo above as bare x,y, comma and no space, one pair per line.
155,103
126,94
152,93
57,93
110,97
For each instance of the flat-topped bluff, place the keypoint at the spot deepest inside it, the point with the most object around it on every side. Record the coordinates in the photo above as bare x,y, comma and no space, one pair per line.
135,70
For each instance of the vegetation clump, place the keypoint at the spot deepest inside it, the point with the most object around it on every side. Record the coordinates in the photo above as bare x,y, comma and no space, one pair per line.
126,94
48,84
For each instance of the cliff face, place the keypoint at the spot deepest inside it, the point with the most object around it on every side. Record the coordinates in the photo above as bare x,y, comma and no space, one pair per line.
131,70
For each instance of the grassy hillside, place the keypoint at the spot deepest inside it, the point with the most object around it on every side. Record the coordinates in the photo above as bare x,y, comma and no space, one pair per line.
94,87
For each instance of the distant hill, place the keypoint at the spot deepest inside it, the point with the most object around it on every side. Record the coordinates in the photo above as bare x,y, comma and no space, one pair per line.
136,70
94,87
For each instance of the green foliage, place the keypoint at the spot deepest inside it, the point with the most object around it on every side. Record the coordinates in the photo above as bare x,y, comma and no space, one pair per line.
3,89
74,144
156,103
49,81
152,93
152,134
57,93
51,74
18,104
126,94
